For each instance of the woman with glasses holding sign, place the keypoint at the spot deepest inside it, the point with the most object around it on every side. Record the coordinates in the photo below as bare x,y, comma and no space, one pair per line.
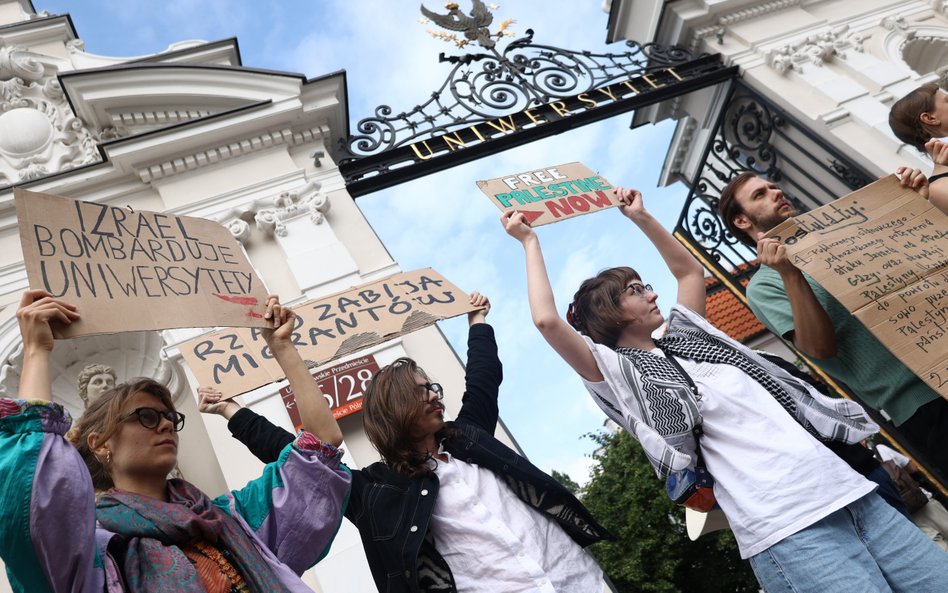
450,508
146,533
714,416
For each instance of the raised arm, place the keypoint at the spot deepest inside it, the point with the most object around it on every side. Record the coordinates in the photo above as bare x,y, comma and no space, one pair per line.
483,372
261,437
558,334
38,310
686,269
314,410
813,330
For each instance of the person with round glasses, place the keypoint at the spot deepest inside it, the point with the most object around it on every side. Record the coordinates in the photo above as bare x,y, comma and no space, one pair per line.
697,400
145,533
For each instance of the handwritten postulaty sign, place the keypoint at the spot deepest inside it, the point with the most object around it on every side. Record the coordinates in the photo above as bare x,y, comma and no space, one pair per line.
882,251
136,270
237,360
551,194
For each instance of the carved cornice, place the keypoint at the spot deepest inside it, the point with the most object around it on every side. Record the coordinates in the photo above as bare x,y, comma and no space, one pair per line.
157,118
719,28
213,155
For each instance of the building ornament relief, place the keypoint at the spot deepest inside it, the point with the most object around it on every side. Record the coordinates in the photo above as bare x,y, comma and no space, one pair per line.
270,215
290,204
39,133
815,49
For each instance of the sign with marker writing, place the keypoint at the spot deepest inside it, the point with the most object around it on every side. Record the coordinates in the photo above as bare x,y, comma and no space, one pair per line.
882,251
343,386
551,194
136,270
237,360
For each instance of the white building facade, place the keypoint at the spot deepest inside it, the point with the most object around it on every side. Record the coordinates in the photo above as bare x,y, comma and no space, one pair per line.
190,131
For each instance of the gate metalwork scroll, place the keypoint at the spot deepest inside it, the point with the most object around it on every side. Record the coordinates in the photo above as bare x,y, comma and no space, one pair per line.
503,97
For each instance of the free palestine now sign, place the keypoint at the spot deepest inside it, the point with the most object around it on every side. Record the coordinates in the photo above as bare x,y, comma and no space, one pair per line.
551,194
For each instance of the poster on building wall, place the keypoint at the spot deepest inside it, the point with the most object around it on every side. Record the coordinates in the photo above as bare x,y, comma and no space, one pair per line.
882,251
238,360
551,194
131,270
343,386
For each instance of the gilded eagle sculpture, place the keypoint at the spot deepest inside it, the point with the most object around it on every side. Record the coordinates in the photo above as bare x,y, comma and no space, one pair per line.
474,27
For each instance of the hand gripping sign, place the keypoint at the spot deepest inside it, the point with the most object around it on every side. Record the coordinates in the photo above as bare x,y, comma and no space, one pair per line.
882,251
136,270
552,194
238,360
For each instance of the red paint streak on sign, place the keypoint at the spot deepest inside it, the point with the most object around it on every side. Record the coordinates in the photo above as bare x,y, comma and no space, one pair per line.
530,215
238,300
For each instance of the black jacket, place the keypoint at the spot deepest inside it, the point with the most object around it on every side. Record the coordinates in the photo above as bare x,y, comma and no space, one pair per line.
393,511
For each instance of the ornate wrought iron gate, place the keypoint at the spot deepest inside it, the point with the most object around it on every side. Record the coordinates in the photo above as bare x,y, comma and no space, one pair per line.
753,134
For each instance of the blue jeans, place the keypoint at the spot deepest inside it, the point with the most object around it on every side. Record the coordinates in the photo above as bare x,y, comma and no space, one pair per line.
866,546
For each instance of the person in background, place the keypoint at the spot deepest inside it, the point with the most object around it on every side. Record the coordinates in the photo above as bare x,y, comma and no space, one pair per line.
450,508
146,533
931,517
795,307
920,118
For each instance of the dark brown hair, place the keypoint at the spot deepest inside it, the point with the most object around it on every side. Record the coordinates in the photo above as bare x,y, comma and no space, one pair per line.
389,409
101,418
905,116
595,308
729,208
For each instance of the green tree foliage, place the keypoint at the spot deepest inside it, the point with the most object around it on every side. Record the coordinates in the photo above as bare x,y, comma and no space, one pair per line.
653,553
566,481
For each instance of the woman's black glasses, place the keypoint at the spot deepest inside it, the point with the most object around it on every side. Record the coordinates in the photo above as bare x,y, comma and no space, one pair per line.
151,418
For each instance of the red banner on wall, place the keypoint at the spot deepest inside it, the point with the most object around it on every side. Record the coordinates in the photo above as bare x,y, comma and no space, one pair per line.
343,386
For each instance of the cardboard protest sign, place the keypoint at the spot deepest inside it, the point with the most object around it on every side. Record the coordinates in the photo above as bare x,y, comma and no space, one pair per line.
882,252
235,360
133,271
551,194
343,386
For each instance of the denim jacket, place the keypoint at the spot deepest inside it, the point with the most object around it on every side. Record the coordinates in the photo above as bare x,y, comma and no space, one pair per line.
393,511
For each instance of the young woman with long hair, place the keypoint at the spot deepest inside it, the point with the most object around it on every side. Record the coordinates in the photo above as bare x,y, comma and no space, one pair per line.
920,119
793,505
145,533
450,508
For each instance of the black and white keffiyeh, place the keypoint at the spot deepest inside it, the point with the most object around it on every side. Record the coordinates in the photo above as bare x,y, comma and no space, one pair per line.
651,399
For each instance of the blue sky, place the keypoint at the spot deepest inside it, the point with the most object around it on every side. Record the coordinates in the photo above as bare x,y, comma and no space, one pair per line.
443,221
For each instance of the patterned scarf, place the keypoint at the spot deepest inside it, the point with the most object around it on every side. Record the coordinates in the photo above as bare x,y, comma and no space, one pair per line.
154,531
702,347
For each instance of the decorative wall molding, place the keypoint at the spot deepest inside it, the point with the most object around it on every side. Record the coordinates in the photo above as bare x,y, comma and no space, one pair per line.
270,215
815,49
214,155
39,133
291,204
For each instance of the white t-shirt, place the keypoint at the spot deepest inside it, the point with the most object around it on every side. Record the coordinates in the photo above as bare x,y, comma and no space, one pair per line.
772,478
493,541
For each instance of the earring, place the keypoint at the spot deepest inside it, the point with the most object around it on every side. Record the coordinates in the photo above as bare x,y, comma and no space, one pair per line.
108,457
